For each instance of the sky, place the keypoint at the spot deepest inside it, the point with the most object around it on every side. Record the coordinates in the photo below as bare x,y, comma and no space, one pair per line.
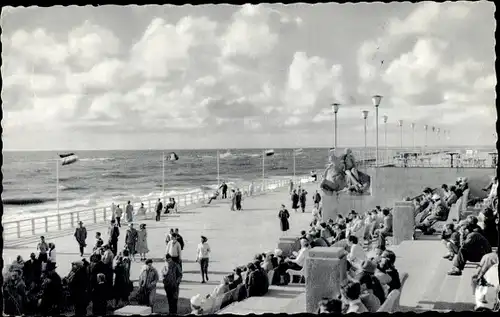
224,76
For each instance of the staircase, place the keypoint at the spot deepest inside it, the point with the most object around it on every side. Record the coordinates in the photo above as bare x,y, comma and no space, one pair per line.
428,286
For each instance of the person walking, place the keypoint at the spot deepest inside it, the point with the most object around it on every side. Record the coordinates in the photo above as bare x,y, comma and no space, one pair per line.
114,233
283,215
141,211
224,190
174,249
118,215
238,199
302,198
147,284
316,200
202,257
142,242
131,237
233,199
129,212
42,248
81,236
295,200
159,208
171,276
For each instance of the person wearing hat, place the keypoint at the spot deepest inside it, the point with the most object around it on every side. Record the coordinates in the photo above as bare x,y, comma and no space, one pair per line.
50,292
439,212
81,236
78,281
148,278
369,268
196,305
131,237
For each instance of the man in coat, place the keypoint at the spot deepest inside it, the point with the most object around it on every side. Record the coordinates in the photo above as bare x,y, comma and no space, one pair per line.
171,277
81,236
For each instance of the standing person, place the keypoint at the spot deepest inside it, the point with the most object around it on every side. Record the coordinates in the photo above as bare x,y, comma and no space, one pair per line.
129,212
131,237
175,250
171,276
50,292
159,207
295,200
142,210
81,236
42,248
114,233
142,242
233,199
99,296
52,253
122,285
78,281
14,291
98,241
179,238
202,257
147,284
238,199
316,200
283,215
303,197
291,187
224,190
118,215
251,189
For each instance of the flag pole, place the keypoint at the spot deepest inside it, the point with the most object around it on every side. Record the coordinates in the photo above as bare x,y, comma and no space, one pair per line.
218,170
294,165
57,184
163,173
263,170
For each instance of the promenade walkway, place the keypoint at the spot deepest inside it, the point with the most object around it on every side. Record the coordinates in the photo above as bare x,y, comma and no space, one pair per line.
234,237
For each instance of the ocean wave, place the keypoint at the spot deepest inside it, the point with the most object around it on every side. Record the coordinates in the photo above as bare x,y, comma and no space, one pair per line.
119,175
26,201
72,188
99,159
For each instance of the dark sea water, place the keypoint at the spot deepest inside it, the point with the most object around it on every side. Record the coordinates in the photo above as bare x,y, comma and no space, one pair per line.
102,177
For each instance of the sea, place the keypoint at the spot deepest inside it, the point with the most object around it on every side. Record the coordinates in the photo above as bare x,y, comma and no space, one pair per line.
102,177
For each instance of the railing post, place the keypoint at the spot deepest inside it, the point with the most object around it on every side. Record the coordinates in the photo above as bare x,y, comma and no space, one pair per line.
77,216
149,205
18,224
59,222
33,226
46,224
72,218
95,215
104,214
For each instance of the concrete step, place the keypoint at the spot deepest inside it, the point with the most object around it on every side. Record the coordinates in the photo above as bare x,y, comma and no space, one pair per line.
433,289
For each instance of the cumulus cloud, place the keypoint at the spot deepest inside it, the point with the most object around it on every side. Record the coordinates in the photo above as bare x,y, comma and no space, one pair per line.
254,68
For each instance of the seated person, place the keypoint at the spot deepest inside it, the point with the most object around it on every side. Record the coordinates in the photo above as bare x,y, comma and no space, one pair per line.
350,294
267,264
214,196
386,265
451,239
356,255
479,281
450,200
369,268
385,229
356,227
474,247
297,263
446,191
338,234
329,306
371,302
237,279
318,240
439,213
474,223
170,205
223,287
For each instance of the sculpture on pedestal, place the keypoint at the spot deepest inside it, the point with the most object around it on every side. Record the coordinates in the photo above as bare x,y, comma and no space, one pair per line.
341,175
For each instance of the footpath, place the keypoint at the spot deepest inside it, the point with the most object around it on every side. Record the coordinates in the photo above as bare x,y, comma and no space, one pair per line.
234,237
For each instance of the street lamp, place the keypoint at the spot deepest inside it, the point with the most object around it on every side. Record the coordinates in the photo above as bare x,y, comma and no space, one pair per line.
426,128
438,137
412,125
335,107
400,123
365,116
376,102
385,138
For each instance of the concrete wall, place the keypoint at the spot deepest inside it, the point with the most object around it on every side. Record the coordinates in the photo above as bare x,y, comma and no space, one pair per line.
394,184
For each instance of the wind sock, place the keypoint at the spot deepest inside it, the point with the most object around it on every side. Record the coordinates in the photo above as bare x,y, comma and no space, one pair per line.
68,158
172,157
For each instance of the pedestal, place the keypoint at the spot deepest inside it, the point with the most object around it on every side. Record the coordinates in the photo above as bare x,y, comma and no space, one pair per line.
288,245
325,270
403,221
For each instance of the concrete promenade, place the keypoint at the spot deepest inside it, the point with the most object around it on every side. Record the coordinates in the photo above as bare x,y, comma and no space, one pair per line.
234,237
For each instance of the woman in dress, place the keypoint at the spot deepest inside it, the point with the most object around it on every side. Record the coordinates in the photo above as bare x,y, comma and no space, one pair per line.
283,215
142,242
295,200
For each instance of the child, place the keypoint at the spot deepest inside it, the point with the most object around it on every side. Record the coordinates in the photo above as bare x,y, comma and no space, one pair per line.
98,241
451,239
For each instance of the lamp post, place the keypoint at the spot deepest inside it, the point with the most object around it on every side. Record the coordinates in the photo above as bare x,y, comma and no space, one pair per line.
400,123
385,138
335,107
365,116
376,102
433,130
438,130
426,128
412,125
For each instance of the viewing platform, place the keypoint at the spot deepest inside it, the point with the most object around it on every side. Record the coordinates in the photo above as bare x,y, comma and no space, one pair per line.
234,237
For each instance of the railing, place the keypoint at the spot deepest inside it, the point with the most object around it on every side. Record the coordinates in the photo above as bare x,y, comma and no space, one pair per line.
52,223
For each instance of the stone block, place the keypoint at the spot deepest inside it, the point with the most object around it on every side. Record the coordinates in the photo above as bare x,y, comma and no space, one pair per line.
403,221
288,245
131,310
325,270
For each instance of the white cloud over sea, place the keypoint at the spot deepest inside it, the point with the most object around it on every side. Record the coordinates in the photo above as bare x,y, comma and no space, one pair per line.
217,76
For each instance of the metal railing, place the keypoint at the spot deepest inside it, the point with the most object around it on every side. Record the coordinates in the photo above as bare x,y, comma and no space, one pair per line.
23,228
